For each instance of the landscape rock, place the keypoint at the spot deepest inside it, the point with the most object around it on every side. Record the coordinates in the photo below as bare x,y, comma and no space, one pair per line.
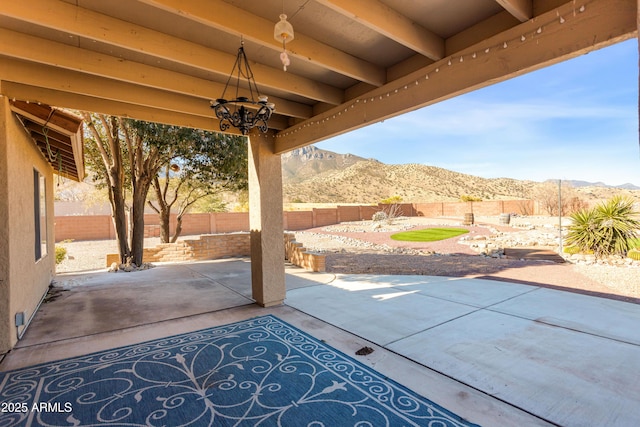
128,267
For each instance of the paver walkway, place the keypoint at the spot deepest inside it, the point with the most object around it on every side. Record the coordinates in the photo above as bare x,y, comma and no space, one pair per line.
537,254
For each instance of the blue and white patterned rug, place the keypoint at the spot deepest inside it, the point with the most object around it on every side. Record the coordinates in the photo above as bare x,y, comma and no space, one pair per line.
261,371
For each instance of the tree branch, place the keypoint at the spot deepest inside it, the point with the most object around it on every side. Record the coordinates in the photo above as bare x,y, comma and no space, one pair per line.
98,140
166,182
150,203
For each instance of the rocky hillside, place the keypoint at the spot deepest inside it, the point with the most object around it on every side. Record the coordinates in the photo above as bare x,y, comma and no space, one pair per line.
370,181
307,162
311,175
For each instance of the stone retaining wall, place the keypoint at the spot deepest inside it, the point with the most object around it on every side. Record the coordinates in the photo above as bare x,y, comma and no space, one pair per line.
208,246
215,246
298,255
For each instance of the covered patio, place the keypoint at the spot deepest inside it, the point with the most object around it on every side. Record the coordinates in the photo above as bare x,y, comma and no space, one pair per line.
351,64
494,353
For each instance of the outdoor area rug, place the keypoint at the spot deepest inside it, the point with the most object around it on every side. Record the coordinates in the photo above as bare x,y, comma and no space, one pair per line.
261,371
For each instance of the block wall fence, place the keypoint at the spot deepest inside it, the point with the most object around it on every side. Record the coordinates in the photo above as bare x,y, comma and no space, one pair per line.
100,227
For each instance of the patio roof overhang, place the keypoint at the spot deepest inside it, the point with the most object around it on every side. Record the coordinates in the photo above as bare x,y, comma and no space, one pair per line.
58,135
353,62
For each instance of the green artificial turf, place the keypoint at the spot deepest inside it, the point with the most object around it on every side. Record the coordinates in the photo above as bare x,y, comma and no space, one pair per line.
428,234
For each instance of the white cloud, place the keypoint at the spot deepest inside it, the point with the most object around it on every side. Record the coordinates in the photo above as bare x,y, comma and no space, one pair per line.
577,120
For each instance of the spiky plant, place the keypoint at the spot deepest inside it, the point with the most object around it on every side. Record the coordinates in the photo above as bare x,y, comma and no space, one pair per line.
584,230
607,229
634,254
619,223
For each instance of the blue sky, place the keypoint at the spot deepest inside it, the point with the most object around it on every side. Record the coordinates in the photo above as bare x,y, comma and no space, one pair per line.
575,120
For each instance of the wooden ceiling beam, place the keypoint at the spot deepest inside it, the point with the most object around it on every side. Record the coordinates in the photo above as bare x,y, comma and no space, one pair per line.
32,74
521,9
475,34
84,23
34,49
234,20
381,18
84,84
547,40
79,102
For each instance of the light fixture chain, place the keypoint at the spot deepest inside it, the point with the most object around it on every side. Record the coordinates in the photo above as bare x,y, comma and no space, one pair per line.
241,115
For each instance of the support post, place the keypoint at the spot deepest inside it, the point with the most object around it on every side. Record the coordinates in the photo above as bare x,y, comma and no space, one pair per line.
265,221
560,214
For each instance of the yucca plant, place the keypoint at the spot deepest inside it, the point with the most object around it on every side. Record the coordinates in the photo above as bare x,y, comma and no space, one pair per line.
607,229
584,231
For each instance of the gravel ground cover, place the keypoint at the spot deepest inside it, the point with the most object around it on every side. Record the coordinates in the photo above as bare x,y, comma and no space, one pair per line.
362,248
359,248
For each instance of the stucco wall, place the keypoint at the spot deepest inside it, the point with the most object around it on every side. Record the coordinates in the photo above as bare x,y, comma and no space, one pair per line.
4,234
24,281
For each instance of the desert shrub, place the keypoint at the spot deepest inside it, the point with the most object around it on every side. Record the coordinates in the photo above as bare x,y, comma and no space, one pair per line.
393,211
525,208
546,195
391,200
574,204
379,216
61,253
388,213
634,254
607,229
571,250
467,198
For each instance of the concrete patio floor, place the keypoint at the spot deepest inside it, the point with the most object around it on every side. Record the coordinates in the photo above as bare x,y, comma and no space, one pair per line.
495,353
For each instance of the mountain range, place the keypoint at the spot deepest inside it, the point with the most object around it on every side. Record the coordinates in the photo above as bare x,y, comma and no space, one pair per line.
313,175
578,184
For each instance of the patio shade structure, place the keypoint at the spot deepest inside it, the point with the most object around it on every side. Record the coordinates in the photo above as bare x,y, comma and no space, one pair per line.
57,133
352,63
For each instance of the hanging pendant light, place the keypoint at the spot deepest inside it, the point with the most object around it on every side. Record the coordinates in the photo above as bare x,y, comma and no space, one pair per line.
283,32
240,112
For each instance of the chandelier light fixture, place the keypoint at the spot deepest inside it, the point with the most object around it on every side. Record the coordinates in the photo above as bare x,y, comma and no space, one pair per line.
241,112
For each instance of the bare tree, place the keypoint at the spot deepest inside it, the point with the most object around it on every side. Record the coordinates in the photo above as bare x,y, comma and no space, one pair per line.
546,194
